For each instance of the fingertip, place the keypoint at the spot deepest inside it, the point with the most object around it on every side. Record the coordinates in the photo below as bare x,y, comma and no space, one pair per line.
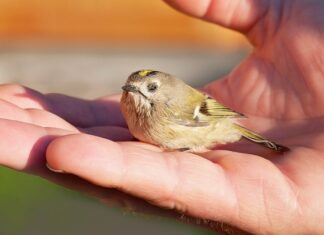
234,14
55,151
54,170
85,155
190,7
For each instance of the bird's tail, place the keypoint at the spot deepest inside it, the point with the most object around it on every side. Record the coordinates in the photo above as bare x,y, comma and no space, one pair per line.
256,138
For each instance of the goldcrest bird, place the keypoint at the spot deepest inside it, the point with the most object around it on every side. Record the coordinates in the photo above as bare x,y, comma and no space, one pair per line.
162,110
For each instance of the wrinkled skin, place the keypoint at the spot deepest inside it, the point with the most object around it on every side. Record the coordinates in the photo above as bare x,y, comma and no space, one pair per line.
279,87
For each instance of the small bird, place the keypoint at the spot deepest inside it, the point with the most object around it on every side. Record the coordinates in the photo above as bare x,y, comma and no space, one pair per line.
162,110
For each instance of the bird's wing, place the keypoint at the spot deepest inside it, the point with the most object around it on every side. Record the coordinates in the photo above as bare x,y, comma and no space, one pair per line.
203,113
211,107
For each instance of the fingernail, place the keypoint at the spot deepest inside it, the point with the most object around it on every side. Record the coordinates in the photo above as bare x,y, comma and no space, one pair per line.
54,170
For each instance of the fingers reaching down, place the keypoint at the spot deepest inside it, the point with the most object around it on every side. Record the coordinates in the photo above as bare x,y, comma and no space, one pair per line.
239,15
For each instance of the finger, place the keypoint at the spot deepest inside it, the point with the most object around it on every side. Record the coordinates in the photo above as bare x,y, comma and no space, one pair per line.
179,181
239,15
22,145
23,149
22,97
240,189
87,113
79,112
113,133
33,116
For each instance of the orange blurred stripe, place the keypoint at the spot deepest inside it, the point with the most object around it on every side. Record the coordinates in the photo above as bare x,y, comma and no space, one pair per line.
109,21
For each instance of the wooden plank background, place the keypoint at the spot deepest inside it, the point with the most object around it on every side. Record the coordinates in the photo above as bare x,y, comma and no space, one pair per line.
125,22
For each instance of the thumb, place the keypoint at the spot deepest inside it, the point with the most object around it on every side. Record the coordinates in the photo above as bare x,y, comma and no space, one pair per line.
240,15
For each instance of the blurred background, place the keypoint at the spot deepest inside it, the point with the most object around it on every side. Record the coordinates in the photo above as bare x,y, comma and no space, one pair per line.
87,49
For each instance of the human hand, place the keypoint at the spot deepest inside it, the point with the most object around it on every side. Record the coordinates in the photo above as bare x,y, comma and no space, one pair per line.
279,88
28,124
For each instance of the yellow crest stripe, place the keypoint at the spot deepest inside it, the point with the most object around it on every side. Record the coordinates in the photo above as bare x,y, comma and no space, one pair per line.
144,73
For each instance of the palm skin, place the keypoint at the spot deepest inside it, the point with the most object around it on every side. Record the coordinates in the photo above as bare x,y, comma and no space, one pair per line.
279,87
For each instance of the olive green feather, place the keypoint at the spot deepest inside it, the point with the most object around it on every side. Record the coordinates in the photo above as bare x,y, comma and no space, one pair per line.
256,138
211,107
203,112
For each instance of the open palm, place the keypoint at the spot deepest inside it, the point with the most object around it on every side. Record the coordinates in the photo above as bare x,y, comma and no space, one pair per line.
279,87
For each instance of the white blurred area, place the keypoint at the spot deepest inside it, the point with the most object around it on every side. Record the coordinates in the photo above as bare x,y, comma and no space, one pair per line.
90,73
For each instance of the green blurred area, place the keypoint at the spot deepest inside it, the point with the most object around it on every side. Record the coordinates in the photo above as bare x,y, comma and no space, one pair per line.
31,205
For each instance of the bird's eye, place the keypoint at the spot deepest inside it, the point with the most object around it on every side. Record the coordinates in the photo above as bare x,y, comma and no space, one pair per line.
152,87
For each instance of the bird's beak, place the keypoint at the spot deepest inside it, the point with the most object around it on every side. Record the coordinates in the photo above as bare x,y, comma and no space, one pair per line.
130,88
